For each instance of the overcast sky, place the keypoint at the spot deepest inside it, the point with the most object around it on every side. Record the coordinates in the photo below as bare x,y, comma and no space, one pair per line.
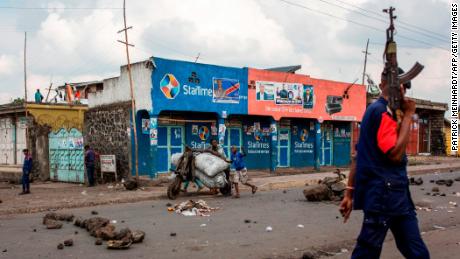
71,45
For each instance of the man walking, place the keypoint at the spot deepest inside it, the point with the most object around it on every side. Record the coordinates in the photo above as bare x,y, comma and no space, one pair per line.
90,163
26,169
378,182
38,96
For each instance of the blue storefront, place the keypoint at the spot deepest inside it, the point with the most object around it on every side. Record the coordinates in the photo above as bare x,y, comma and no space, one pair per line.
194,103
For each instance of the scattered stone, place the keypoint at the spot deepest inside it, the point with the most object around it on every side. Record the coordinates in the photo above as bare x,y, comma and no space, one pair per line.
431,181
68,242
93,224
435,189
344,250
443,194
138,236
58,216
94,212
76,232
247,221
119,244
424,203
124,233
284,191
106,233
449,182
269,229
413,181
422,189
35,230
300,226
60,246
1,201
168,204
5,250
457,179
428,193
122,221
78,221
52,224
309,255
173,234
319,192
130,184
336,217
98,242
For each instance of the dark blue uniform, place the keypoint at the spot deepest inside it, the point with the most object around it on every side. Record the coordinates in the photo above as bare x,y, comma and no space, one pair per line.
26,169
382,189
90,163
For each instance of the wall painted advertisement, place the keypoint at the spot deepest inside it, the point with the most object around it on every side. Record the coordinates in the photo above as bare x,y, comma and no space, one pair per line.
280,95
188,86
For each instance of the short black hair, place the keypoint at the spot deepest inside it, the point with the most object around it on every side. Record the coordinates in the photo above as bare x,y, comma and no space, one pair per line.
25,150
86,146
214,140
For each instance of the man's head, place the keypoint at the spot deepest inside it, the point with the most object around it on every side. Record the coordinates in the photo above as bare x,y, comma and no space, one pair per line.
25,151
261,89
383,84
234,150
219,83
38,90
214,143
86,147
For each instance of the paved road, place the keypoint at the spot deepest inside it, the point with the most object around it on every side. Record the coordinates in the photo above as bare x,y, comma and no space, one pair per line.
226,235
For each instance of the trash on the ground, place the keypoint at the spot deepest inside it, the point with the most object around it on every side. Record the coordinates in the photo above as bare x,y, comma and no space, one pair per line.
284,191
35,230
5,250
84,192
310,255
138,236
52,224
435,189
344,250
59,216
300,226
438,227
453,203
110,187
68,242
170,209
446,182
457,179
98,242
113,221
328,189
192,208
60,246
168,204
269,229
424,203
93,212
203,225
247,221
76,232
130,184
413,181
119,244
173,234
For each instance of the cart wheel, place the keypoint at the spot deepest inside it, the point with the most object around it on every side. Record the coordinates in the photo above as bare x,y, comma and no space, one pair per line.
174,188
227,190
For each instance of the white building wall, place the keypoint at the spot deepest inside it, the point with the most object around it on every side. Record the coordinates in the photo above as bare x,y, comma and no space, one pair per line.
118,90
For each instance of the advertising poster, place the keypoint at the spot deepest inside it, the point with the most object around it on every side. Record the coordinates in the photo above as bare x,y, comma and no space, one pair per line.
288,94
265,91
145,126
308,97
194,129
222,129
225,90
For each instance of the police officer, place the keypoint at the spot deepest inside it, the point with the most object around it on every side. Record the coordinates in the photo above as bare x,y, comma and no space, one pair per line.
378,182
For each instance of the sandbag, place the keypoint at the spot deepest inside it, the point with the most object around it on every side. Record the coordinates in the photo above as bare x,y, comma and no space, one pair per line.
175,158
210,164
218,181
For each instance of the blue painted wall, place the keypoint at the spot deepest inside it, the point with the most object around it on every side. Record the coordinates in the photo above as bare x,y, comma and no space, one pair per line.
342,142
188,86
256,145
302,143
143,145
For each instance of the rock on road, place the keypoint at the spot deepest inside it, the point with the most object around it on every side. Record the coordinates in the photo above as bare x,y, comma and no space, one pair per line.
225,234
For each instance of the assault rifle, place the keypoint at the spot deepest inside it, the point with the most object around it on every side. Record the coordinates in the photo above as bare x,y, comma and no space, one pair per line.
391,72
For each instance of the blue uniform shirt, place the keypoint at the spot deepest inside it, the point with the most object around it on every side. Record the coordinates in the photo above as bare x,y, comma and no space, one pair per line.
27,166
237,161
380,185
90,158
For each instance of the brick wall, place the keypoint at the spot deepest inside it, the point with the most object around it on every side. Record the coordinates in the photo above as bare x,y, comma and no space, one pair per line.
106,131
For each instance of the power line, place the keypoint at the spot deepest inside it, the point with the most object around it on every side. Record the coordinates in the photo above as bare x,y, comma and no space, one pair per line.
385,21
381,15
60,8
357,23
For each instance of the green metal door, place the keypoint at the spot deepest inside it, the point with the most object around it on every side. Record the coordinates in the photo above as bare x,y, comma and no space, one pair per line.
66,156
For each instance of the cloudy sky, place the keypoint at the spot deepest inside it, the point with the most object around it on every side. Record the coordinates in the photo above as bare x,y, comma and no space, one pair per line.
76,40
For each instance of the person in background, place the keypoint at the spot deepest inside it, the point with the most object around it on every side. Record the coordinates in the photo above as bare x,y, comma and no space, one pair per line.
239,172
26,169
90,163
38,96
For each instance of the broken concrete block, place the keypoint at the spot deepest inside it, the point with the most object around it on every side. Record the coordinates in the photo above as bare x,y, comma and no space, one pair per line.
68,242
318,192
138,236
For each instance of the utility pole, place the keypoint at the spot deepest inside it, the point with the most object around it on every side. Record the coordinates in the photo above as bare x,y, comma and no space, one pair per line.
365,60
25,89
133,101
197,57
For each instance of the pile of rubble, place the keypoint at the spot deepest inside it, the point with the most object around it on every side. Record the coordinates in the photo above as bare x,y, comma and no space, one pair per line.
98,227
192,208
328,189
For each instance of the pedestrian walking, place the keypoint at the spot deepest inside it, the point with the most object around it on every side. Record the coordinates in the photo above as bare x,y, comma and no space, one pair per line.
90,163
26,169
239,173
378,182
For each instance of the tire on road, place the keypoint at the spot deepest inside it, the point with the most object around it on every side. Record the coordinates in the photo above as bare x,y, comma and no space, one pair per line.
227,190
174,188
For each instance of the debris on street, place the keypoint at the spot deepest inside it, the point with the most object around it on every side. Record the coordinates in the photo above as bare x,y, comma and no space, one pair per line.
328,189
269,229
68,242
192,208
60,246
418,181
130,184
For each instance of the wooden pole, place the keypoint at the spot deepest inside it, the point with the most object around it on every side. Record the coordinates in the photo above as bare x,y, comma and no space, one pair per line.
25,90
131,85
365,60
49,90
